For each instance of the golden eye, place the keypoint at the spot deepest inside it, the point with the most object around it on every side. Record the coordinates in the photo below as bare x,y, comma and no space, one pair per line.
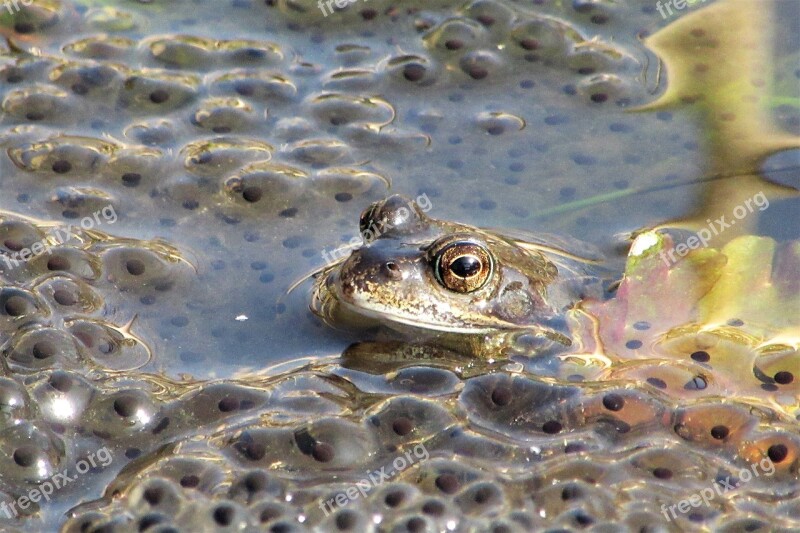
463,266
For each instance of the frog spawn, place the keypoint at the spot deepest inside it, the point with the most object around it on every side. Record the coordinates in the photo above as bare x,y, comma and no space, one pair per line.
470,43
702,349
573,458
58,286
252,80
562,445
184,87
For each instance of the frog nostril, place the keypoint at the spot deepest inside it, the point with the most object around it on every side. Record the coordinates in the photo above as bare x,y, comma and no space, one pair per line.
393,270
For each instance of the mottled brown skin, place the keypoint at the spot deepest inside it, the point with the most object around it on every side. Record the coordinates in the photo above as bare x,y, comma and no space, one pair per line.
392,281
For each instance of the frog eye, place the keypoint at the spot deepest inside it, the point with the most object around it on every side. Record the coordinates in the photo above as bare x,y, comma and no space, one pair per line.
463,266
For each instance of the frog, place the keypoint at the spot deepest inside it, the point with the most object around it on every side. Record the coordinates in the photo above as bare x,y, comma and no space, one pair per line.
478,292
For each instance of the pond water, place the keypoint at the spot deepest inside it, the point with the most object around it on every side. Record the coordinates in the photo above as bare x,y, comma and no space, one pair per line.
170,169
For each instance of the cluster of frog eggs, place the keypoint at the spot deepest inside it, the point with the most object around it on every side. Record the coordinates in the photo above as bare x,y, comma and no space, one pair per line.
717,360
561,448
222,172
697,362
489,40
58,284
571,458
235,93
228,93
